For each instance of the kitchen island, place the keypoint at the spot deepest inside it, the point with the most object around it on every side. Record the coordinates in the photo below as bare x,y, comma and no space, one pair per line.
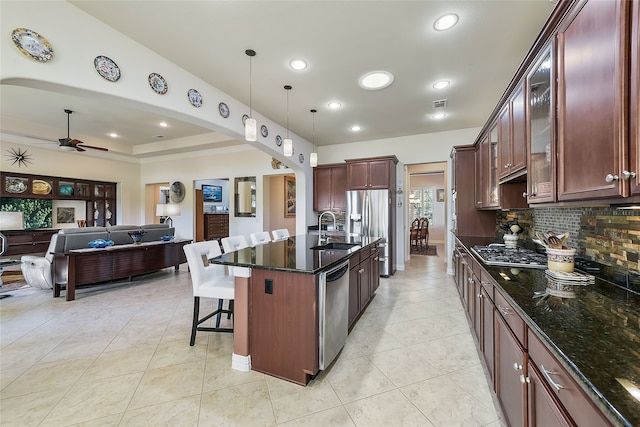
578,355
279,307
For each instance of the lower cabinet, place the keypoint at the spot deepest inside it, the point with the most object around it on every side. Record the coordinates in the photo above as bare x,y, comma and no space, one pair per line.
20,242
543,410
510,379
364,279
216,226
533,387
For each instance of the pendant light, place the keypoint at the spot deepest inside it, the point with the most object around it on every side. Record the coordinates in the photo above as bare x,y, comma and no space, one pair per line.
288,143
313,157
250,125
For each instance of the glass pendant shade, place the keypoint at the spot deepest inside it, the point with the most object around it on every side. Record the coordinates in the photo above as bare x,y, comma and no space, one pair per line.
288,147
251,130
313,160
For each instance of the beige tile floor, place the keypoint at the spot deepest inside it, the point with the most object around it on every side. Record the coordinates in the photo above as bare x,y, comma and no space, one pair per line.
120,356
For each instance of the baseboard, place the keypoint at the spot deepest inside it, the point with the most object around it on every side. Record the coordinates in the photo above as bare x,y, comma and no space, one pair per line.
241,363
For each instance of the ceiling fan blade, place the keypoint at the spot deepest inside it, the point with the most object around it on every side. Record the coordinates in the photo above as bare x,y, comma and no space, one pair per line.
92,147
75,141
79,148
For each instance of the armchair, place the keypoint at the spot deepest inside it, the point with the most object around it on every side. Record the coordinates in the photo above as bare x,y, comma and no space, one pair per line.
38,271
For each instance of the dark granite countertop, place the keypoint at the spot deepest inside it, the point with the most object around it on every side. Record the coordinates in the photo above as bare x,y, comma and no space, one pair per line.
295,254
596,335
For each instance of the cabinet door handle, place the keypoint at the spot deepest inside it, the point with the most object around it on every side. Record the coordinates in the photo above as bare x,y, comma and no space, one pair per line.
517,366
479,296
547,376
524,380
503,310
626,175
611,178
525,195
361,271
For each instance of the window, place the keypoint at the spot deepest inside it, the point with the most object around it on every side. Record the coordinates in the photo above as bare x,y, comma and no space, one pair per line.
421,204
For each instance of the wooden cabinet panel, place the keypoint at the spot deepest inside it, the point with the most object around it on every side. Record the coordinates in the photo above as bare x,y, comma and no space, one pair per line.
634,99
21,242
592,65
509,369
371,174
216,226
577,404
512,136
284,325
329,187
543,410
488,313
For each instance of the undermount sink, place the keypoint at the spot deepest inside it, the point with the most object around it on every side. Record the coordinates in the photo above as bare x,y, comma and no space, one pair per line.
335,245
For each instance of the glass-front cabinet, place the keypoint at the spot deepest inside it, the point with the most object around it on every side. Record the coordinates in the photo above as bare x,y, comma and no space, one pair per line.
494,200
541,96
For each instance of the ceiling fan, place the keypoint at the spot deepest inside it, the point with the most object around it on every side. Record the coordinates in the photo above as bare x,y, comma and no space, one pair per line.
69,144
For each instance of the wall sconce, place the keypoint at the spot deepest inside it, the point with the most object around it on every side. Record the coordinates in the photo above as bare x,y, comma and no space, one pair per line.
250,125
166,210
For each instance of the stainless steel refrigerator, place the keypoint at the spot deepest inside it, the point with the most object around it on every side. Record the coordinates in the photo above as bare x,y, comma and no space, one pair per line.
369,214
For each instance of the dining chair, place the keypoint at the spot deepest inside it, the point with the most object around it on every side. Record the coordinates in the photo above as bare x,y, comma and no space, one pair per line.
424,232
234,243
280,234
260,238
209,281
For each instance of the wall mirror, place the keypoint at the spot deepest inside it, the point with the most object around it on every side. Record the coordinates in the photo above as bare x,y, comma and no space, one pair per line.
245,196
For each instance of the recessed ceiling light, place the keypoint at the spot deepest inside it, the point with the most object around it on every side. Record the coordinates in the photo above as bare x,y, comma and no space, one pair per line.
375,80
158,136
334,105
439,116
445,22
298,64
441,84
163,124
113,135
356,128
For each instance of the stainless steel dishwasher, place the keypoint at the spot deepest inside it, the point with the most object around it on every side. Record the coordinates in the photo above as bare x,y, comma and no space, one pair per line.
333,305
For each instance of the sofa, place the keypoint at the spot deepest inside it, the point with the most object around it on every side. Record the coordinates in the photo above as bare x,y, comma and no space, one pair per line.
52,269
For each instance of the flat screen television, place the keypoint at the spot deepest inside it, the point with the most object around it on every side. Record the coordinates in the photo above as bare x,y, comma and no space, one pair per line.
212,193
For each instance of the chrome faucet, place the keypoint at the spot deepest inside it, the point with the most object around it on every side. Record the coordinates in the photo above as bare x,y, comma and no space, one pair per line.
320,239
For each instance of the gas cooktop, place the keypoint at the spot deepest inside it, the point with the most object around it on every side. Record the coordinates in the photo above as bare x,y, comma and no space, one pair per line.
499,255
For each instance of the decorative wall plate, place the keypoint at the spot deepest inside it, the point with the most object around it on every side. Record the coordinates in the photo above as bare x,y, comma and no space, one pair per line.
158,83
223,109
40,187
301,158
194,98
32,44
15,185
264,131
278,140
107,68
244,118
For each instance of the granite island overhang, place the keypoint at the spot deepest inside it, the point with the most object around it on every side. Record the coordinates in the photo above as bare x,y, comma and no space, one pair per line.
278,306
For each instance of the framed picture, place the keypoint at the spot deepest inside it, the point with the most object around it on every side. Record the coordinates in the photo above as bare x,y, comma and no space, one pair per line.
289,196
65,215
440,195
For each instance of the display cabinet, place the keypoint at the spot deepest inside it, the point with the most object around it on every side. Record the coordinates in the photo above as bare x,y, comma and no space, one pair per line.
540,129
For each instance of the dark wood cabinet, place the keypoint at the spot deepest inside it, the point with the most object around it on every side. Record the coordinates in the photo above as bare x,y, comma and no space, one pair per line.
100,197
21,242
377,173
364,279
634,100
543,410
592,74
469,221
510,363
512,137
329,187
216,226
284,325
488,327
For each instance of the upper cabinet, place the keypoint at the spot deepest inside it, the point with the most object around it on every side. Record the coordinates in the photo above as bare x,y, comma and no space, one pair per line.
329,187
592,84
376,173
487,171
512,137
634,99
540,129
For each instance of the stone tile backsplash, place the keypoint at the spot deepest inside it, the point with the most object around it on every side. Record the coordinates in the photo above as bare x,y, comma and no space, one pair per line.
606,235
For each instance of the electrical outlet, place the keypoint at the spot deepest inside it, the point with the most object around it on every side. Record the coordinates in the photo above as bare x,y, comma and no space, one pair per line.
268,286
